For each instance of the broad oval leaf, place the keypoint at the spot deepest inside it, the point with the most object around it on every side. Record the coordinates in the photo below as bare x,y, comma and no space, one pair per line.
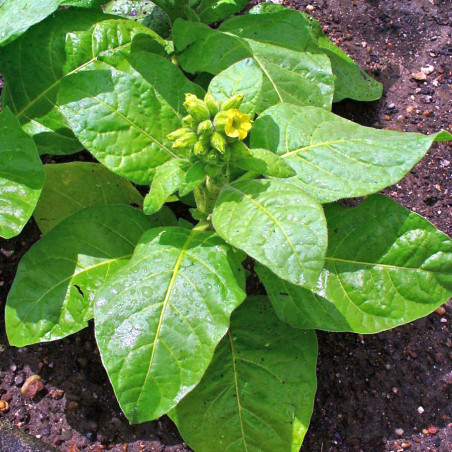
75,39
298,31
385,266
335,158
21,175
123,118
54,288
258,392
70,187
210,11
288,75
277,224
159,319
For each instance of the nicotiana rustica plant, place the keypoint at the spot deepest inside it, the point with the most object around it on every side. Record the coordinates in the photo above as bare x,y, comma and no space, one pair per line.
236,122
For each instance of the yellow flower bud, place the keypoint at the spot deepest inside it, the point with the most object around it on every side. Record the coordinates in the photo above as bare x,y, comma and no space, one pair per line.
205,128
173,136
212,104
238,124
200,148
220,120
233,102
218,142
186,141
190,122
196,107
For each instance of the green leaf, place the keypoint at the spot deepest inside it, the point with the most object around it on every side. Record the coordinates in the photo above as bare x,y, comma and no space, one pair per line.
142,11
288,75
267,8
82,3
17,16
70,187
193,177
73,40
159,319
167,180
298,31
277,224
243,77
258,392
335,158
54,288
210,11
21,176
385,266
123,118
263,162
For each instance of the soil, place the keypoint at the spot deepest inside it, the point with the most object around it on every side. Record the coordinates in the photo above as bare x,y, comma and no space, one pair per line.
384,392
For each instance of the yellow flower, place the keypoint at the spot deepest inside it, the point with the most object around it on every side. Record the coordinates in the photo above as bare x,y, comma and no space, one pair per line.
237,124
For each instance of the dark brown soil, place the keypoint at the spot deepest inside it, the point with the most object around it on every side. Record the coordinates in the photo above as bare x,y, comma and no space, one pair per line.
368,386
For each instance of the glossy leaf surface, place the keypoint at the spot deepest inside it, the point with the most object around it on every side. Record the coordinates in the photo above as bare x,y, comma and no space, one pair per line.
288,75
54,288
159,319
335,158
70,187
385,266
210,11
21,176
298,31
258,392
277,224
74,40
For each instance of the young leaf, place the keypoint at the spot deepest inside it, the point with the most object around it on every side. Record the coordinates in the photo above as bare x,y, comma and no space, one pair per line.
335,158
167,180
258,392
76,40
288,76
21,176
277,224
70,187
193,177
298,31
263,162
243,77
53,291
17,16
159,319
385,266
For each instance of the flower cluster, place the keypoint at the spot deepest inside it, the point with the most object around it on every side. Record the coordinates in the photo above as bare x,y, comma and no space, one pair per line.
210,128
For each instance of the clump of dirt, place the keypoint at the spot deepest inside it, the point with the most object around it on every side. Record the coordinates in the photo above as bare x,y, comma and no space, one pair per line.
388,391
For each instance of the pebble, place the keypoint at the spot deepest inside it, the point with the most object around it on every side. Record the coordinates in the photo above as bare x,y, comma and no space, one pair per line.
56,394
18,380
4,406
406,445
440,311
66,435
310,8
428,69
399,431
32,387
420,410
391,106
419,76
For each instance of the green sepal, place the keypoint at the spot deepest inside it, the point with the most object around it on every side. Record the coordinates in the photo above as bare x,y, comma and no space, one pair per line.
196,107
233,102
218,141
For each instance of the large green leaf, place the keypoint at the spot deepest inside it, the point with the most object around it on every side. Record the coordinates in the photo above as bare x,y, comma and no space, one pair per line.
288,75
210,11
123,118
298,31
21,175
70,187
72,41
143,11
385,266
335,158
159,319
277,224
54,288
258,392
17,16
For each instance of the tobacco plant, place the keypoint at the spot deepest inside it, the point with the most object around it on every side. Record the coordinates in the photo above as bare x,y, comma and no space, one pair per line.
235,122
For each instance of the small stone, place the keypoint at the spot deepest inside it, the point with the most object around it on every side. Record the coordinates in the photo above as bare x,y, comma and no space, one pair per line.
56,394
420,409
66,435
399,431
432,430
12,367
428,69
425,431
419,76
45,432
440,311
391,106
32,387
428,113
116,421
18,380
406,445
410,109
400,118
4,406
310,8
